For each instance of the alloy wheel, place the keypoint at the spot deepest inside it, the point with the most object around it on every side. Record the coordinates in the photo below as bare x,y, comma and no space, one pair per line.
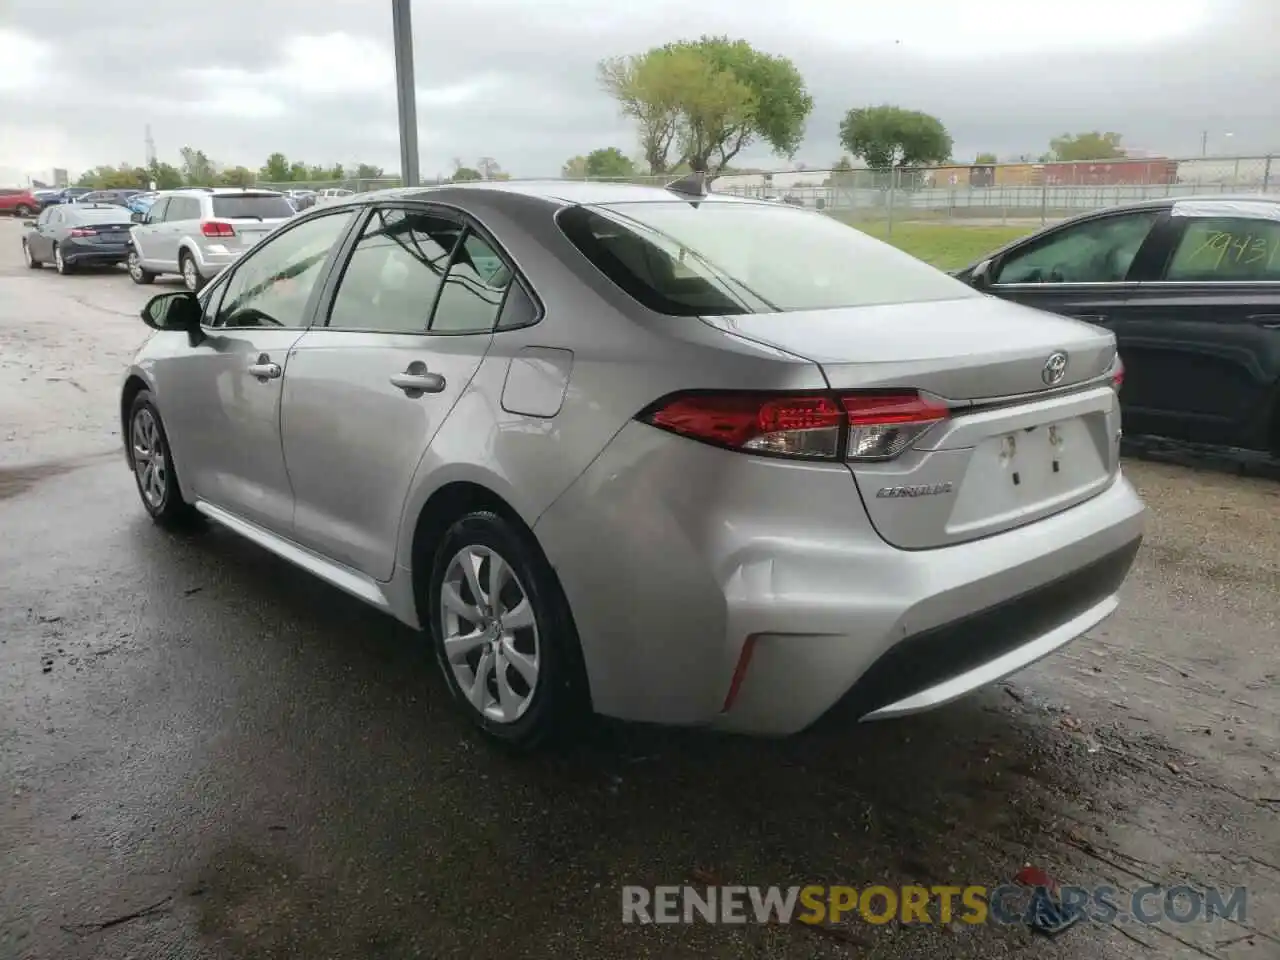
150,464
490,634
26,253
189,275
135,267
58,261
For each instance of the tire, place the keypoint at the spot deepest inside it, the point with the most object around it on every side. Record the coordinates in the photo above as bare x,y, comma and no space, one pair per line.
59,264
518,707
32,262
191,278
136,273
22,210
153,470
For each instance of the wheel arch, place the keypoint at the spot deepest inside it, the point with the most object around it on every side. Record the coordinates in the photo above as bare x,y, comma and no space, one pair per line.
447,503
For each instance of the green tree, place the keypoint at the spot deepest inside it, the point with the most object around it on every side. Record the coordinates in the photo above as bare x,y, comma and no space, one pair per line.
236,177
366,171
462,174
987,158
298,172
1086,146
197,168
490,169
711,98
123,177
575,168
165,175
276,169
608,163
885,136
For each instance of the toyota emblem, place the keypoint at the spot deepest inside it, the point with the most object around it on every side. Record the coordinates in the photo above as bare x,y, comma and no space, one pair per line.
1055,368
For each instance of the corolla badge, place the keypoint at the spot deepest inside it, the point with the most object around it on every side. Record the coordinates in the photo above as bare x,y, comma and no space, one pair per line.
1055,368
916,490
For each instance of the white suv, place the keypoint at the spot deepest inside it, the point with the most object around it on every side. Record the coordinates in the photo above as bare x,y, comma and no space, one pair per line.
198,231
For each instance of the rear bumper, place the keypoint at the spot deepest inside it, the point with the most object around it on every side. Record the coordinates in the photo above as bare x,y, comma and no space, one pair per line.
211,259
673,554
94,253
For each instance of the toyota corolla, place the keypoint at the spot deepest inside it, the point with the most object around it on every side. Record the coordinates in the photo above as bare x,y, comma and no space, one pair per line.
654,453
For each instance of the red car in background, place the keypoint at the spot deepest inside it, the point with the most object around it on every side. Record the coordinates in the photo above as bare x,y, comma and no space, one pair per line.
18,202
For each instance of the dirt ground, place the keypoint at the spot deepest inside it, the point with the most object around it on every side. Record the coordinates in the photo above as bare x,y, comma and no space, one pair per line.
193,727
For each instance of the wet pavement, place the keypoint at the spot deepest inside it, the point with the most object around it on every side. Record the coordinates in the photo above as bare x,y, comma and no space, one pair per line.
204,753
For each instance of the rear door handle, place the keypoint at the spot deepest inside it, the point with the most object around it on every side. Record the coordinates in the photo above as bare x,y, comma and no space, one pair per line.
1098,318
417,380
264,369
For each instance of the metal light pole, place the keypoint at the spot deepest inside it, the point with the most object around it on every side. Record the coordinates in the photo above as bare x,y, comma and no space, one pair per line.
406,98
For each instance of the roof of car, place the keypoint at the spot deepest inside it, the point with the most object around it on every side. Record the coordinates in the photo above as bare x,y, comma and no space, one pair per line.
560,191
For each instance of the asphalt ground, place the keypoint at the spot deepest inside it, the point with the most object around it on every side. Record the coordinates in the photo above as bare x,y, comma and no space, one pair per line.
204,753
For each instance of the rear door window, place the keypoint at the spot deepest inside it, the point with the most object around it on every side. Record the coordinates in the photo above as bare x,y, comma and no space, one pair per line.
395,272
473,289
1226,249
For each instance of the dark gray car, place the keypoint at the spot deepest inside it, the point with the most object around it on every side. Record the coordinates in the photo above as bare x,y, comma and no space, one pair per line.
77,235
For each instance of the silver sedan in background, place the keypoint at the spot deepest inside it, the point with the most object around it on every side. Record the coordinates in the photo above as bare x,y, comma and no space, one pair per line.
654,453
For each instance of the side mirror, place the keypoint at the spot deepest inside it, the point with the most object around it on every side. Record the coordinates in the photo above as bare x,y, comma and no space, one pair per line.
138,217
980,276
179,310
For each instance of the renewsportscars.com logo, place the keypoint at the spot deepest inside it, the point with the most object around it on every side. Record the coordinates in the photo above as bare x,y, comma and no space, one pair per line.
973,904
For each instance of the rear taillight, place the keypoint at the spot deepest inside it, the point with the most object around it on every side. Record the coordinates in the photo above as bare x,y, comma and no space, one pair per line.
216,228
84,232
1117,375
882,425
875,425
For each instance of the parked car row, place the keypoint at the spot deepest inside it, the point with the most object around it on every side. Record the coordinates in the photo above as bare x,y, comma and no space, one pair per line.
193,233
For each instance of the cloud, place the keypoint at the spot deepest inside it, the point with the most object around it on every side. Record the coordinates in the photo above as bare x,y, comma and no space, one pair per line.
515,79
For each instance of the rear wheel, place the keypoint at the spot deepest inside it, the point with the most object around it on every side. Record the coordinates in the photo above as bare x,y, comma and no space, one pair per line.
190,274
153,469
136,272
502,632
59,263
22,210
31,261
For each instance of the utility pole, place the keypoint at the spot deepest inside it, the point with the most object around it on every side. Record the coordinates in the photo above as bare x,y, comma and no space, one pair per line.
1204,144
406,96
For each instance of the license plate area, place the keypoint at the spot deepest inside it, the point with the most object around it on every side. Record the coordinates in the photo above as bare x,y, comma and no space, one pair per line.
1023,474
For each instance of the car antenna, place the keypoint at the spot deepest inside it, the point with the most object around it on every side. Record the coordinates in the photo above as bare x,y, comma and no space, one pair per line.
691,184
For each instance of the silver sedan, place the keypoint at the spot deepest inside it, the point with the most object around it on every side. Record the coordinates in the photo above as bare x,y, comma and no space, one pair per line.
654,453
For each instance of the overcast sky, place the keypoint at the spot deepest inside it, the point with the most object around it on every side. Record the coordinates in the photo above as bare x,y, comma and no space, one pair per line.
515,79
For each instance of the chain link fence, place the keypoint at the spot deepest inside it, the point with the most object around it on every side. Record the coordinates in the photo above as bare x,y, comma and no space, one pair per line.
1016,194
1009,193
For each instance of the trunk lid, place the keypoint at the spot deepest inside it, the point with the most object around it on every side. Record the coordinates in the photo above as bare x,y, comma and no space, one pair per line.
1020,444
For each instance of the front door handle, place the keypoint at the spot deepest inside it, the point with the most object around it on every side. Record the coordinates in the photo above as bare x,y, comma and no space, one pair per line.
417,380
1100,319
264,369
1268,321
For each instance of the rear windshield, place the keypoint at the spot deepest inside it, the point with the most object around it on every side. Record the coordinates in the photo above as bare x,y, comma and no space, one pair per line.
718,257
267,206
102,215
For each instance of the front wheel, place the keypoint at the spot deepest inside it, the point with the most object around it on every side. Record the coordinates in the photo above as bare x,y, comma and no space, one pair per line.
22,210
31,262
153,469
136,272
502,632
